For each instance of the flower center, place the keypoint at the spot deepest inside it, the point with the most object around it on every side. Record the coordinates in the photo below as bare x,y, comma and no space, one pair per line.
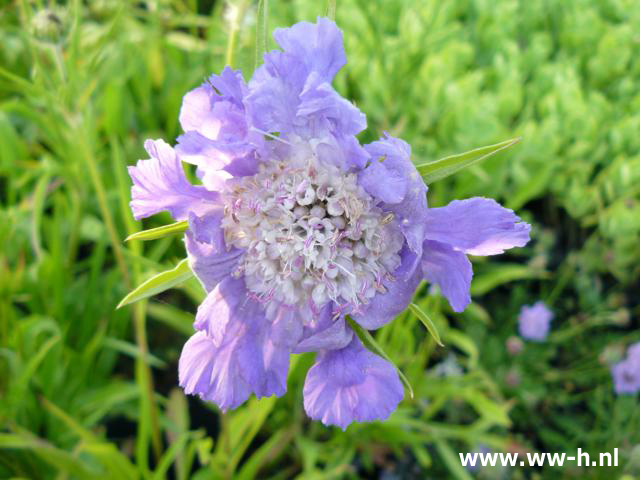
311,235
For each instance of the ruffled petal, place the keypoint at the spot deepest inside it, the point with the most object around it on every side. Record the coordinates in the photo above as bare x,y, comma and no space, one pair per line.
384,307
324,332
222,304
239,359
225,375
477,226
331,111
286,324
275,92
209,258
218,136
292,93
304,329
217,161
392,178
216,108
159,184
351,384
449,269
318,46
345,152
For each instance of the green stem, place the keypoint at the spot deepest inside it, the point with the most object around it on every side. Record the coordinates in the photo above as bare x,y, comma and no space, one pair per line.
144,377
331,9
89,159
236,21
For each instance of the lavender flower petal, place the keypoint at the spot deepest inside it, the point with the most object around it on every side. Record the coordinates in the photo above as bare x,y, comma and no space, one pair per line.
240,360
384,307
319,100
209,258
449,269
351,384
275,92
633,352
477,226
159,184
534,321
216,108
218,134
292,93
317,45
325,333
224,303
392,178
626,376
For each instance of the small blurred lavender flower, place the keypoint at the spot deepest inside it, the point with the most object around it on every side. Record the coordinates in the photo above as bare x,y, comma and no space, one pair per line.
626,373
534,322
296,225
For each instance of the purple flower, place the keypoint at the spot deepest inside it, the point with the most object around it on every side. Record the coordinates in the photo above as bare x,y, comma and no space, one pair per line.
534,321
626,373
296,225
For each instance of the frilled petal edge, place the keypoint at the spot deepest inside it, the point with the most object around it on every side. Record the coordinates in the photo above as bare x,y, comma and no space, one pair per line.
159,184
318,45
477,226
209,258
449,269
238,360
351,385
392,178
384,307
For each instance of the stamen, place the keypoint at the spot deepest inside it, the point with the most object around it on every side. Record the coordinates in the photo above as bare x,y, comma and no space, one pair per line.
267,134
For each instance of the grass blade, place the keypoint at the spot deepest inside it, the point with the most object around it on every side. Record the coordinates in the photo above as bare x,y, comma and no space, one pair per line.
262,30
370,342
444,167
159,283
331,9
426,321
159,232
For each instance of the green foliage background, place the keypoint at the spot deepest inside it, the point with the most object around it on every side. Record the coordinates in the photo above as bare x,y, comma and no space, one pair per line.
90,392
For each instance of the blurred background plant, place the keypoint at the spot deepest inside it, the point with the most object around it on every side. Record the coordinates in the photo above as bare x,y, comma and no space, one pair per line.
90,392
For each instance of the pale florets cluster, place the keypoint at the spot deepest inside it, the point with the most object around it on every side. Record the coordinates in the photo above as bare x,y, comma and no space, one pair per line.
311,235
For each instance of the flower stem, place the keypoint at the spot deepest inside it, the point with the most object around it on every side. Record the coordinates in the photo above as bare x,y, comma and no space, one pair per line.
331,9
237,12
148,424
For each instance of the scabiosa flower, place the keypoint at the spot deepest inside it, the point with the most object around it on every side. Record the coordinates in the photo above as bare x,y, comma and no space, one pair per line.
534,321
296,225
626,373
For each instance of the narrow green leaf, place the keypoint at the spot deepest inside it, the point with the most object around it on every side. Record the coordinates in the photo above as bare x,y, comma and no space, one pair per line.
370,342
159,283
331,9
493,276
426,321
159,232
494,412
59,459
452,461
266,453
432,171
130,349
262,30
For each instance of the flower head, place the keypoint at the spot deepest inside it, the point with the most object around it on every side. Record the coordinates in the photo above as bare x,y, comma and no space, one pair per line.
534,322
626,373
297,225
